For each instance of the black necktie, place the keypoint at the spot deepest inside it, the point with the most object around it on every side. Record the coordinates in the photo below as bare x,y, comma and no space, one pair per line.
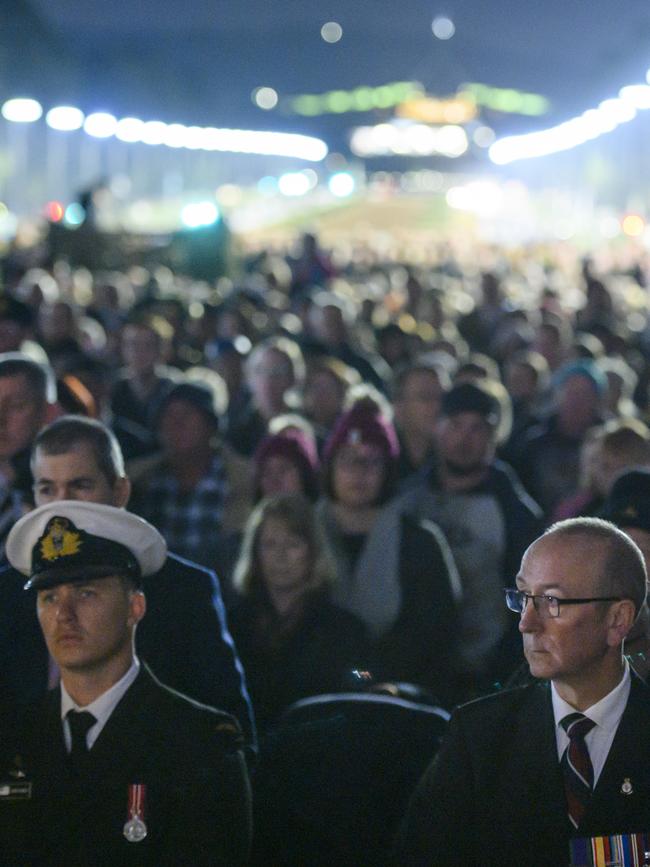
80,722
576,766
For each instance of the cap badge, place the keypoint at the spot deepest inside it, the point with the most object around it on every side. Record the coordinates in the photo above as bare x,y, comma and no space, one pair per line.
60,540
631,512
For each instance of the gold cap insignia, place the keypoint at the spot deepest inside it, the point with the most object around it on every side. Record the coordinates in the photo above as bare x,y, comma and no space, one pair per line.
60,540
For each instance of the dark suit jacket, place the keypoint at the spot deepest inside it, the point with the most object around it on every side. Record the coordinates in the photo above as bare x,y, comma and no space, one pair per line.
495,795
187,755
183,638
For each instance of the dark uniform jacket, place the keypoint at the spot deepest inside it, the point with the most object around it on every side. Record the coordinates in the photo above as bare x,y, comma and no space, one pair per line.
197,802
183,638
494,796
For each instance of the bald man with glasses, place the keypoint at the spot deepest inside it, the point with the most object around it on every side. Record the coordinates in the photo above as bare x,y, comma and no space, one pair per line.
533,776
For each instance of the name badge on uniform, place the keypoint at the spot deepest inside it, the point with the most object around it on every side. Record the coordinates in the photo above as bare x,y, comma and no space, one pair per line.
11,790
16,787
135,829
617,850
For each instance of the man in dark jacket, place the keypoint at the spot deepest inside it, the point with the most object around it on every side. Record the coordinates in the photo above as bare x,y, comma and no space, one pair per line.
111,767
184,638
524,776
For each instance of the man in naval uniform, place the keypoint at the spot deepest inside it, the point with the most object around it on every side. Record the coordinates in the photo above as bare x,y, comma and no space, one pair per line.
534,775
112,768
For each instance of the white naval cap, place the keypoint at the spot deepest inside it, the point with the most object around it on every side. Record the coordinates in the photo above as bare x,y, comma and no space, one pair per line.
72,540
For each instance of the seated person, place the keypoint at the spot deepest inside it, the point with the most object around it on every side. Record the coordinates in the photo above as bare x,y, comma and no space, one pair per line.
119,768
293,641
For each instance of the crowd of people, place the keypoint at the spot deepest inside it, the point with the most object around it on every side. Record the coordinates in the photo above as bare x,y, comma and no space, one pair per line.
347,464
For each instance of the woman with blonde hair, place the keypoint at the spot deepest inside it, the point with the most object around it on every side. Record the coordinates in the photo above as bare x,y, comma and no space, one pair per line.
292,640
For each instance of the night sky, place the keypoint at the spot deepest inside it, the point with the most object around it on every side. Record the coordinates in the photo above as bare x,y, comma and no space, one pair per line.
198,61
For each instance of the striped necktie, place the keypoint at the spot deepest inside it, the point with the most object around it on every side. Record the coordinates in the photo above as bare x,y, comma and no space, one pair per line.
576,766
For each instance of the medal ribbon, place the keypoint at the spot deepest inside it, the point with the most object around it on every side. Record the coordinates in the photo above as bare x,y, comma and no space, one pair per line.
137,797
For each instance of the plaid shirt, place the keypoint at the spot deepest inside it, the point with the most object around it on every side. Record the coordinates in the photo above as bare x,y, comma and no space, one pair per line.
190,521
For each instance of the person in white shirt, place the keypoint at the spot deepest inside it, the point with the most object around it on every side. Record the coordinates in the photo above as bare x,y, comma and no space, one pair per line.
528,776
116,768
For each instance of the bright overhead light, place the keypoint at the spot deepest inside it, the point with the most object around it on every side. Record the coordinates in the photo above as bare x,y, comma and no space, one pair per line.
175,135
65,118
130,129
265,98
100,125
443,27
637,95
154,132
331,32
576,131
22,110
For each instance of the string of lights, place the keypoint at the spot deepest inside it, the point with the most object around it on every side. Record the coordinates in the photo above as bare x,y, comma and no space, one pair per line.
102,125
574,132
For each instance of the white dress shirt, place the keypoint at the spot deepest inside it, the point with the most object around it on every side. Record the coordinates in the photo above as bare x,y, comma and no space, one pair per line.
101,708
606,713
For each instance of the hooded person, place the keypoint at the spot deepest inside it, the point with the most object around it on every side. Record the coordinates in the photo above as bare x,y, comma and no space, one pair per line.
395,573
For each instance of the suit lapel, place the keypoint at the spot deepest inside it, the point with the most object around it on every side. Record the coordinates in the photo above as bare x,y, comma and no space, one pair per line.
613,805
121,744
533,773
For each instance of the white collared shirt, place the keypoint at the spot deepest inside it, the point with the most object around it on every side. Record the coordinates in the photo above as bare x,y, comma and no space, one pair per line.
101,708
606,713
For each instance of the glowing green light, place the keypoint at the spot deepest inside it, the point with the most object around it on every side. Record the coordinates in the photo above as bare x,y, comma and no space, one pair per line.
307,105
359,99
363,98
506,100
339,101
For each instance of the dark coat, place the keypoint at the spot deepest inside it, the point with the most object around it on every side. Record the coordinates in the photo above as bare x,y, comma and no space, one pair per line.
183,638
494,797
197,793
314,657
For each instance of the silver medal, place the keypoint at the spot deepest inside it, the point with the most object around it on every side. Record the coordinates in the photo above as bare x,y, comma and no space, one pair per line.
135,829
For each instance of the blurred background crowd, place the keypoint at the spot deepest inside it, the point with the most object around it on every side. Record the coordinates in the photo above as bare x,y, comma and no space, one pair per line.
362,450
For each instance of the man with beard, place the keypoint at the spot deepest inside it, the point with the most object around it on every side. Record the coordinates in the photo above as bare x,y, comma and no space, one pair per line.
486,516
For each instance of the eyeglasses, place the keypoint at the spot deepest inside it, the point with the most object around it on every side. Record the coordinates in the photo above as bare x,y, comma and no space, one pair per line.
547,606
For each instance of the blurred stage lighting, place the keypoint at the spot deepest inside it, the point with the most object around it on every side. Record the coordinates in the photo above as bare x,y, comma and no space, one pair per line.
74,214
443,27
265,98
130,130
591,124
54,212
633,225
65,118
100,124
331,32
22,110
294,184
154,132
175,135
411,140
341,184
198,214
